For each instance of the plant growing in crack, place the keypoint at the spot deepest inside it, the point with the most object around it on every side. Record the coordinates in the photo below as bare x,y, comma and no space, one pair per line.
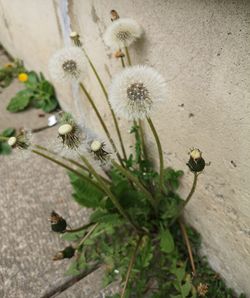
136,230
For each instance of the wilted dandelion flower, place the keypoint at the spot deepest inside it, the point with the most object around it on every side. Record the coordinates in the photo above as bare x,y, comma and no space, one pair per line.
136,91
122,33
68,64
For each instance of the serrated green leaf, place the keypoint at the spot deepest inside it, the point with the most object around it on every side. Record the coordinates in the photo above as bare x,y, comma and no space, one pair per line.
32,78
20,101
85,194
104,217
8,132
166,241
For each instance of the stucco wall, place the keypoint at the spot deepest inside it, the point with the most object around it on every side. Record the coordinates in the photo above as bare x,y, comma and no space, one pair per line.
202,49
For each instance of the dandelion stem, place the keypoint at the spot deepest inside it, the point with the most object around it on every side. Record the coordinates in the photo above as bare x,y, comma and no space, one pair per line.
158,143
68,168
123,63
109,193
88,234
130,266
144,149
80,228
137,183
185,202
2,138
79,165
128,56
187,242
101,121
107,100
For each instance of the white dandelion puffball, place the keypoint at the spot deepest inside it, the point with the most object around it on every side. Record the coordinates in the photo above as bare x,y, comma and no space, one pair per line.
122,33
136,92
68,65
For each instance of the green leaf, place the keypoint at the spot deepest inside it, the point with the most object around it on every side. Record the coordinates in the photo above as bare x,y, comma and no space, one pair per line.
86,194
32,78
104,217
20,101
186,288
73,236
5,149
8,132
166,241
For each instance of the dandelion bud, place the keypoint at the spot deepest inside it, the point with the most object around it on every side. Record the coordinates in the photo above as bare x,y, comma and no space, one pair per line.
114,15
119,54
67,253
58,224
196,163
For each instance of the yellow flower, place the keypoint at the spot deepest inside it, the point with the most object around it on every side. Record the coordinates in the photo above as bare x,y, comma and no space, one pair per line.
8,65
23,77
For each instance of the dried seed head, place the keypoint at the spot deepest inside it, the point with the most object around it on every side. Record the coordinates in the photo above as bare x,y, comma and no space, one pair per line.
119,54
196,163
95,146
202,289
58,223
67,253
195,153
74,34
12,141
114,15
65,129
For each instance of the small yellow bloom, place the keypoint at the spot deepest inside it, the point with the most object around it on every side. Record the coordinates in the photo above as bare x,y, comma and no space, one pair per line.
23,77
8,65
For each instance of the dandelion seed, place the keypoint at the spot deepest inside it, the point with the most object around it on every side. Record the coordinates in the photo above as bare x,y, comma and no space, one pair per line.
68,64
136,92
122,33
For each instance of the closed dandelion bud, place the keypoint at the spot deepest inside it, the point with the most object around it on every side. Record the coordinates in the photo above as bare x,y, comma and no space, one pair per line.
58,224
67,253
196,163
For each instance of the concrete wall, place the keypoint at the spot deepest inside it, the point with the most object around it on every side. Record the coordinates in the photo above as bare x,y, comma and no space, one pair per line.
202,49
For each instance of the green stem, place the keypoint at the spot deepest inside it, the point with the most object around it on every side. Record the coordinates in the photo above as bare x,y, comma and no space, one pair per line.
130,266
88,234
160,152
137,183
107,100
2,138
109,193
144,149
79,165
185,202
101,121
80,228
123,63
128,56
67,168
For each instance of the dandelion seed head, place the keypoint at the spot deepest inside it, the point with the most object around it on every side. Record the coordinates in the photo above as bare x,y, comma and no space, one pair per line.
122,33
136,92
195,153
95,146
68,64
